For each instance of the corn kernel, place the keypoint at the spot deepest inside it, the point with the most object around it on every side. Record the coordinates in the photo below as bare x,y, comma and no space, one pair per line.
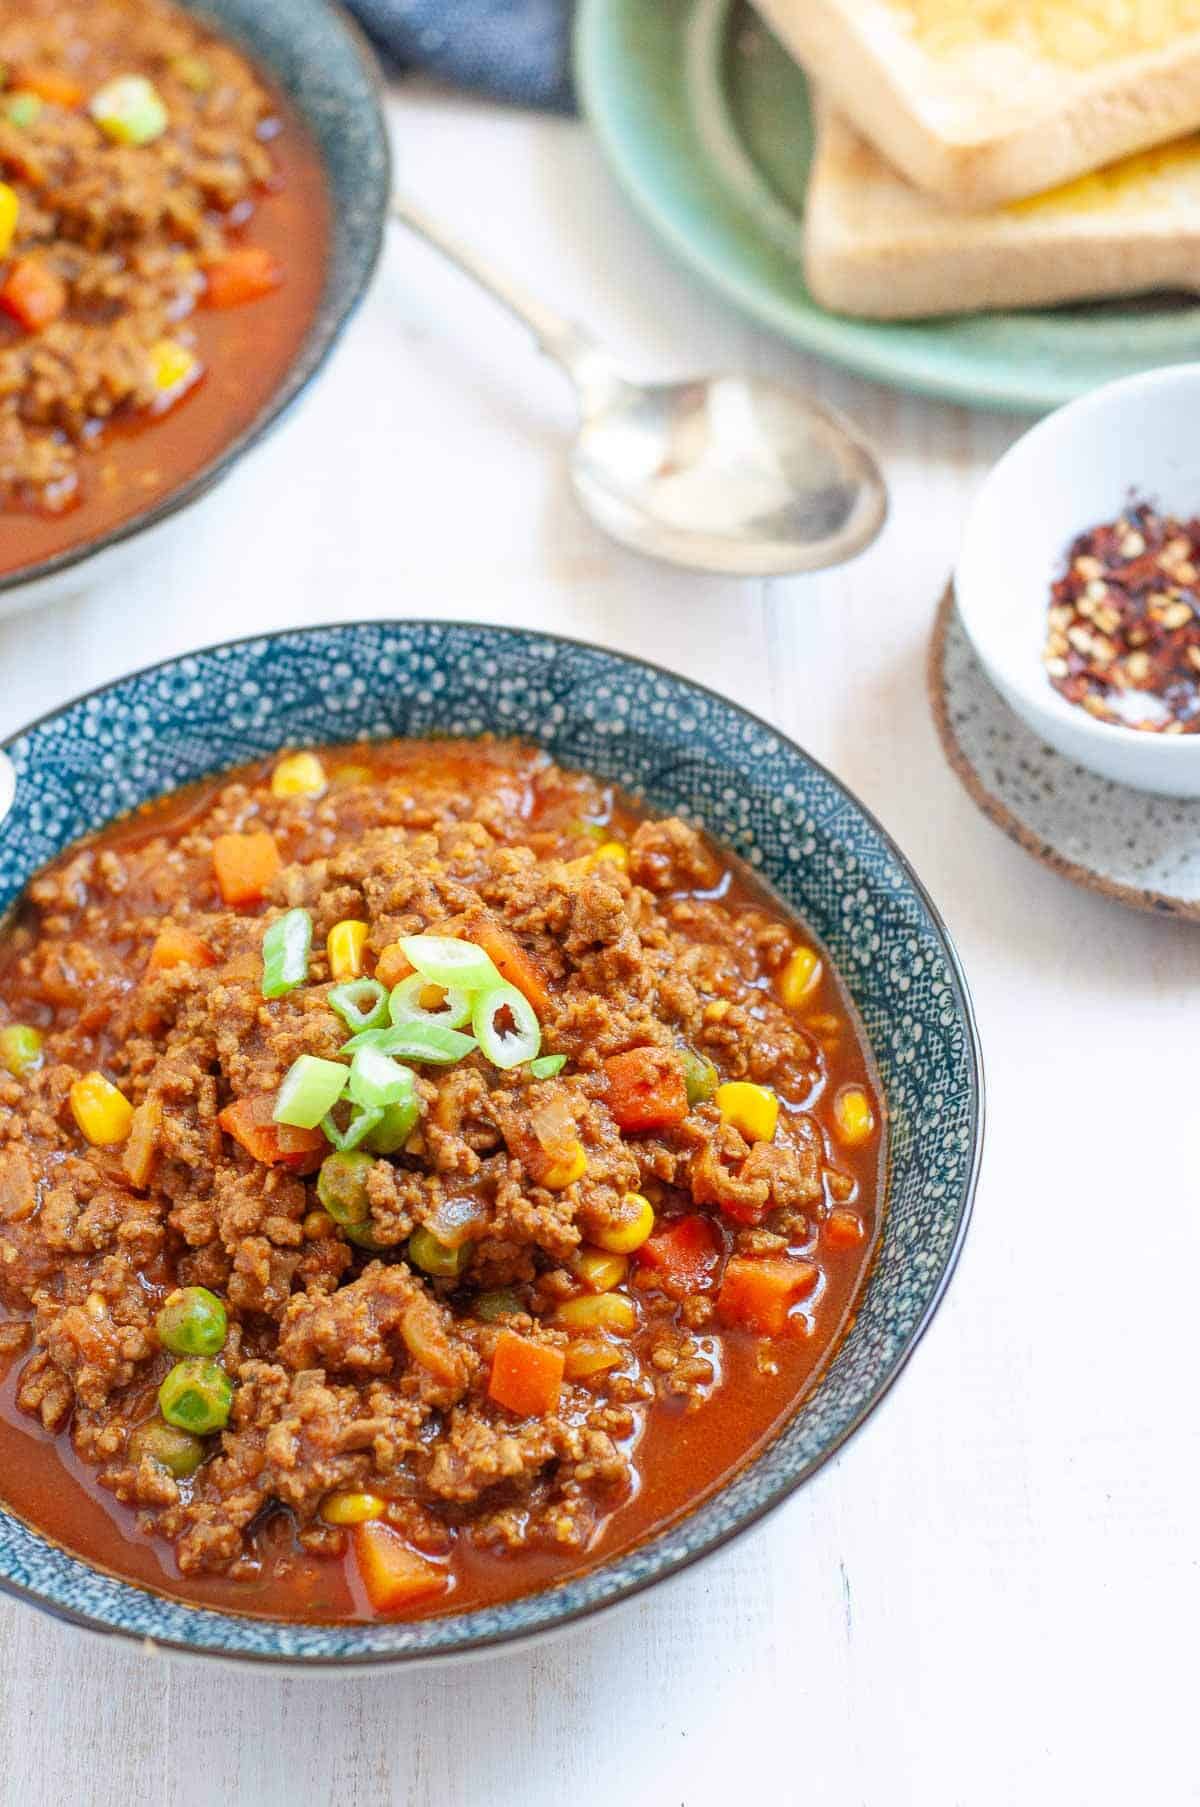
752,1109
590,1355
632,1229
614,853
564,1173
346,943
853,1117
346,777
193,72
299,775
130,110
172,366
104,1115
800,977
600,1270
599,1311
10,207
352,1508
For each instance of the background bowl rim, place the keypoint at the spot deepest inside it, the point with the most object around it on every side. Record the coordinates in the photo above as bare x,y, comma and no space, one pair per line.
318,345
670,1565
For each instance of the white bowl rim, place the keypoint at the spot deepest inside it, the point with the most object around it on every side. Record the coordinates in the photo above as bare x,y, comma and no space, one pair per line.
1026,686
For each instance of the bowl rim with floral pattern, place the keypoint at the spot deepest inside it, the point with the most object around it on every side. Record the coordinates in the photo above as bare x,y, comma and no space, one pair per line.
681,746
324,63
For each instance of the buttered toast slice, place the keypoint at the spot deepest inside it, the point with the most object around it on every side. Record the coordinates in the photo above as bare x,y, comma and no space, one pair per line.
985,101
876,246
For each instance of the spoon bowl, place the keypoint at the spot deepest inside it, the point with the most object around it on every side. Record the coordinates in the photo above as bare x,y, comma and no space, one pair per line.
737,475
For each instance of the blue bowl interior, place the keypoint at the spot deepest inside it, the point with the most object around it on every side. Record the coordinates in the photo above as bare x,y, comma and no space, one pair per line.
681,748
321,61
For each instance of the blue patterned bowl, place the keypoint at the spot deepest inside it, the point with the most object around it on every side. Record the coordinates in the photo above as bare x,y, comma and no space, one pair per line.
320,59
682,748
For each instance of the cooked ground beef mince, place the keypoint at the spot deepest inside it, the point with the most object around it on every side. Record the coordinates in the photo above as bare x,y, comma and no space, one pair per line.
162,237
598,1233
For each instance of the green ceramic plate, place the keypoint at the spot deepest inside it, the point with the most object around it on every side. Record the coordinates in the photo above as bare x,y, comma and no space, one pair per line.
705,120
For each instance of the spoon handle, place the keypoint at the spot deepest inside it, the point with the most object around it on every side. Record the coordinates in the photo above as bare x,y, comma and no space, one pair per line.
561,339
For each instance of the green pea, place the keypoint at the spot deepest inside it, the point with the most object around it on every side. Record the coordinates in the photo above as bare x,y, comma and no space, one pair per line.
20,1049
23,110
700,1077
364,1237
192,1322
503,1303
196,1396
399,1121
177,1451
193,72
434,1257
342,1187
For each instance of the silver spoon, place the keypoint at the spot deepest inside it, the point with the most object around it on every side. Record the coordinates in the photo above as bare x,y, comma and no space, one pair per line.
738,475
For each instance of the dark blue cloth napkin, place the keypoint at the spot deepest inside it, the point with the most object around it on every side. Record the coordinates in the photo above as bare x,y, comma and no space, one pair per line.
517,50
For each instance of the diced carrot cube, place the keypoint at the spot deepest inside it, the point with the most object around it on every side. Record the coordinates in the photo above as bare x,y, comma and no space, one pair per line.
685,1250
33,294
393,1575
526,1376
140,1153
54,86
393,965
646,1088
757,1295
250,1121
513,963
245,865
844,1229
179,947
246,273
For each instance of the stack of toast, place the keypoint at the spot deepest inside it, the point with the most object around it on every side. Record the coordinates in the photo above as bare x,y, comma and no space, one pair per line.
978,154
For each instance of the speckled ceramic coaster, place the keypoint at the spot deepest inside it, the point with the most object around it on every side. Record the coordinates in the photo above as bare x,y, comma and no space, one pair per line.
1140,849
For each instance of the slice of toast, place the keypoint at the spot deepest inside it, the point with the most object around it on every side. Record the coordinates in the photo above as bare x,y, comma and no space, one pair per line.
985,101
878,247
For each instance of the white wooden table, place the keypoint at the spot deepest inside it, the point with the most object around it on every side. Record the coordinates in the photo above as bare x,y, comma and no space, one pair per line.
992,1595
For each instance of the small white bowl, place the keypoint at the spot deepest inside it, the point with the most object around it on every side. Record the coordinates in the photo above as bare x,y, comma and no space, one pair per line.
1131,441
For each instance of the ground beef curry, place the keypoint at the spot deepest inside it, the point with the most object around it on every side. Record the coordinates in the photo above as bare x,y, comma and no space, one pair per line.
337,1288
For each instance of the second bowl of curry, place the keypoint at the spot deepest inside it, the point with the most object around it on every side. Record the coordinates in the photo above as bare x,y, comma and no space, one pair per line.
190,207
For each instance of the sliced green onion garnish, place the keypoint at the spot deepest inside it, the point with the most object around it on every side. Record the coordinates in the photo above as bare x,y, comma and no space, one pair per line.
377,1081
450,962
356,1131
406,1006
20,1049
503,1046
286,947
415,1041
361,1004
547,1065
310,1089
397,1125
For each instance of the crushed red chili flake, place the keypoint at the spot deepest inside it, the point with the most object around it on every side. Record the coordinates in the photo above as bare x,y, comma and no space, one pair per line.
1124,627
